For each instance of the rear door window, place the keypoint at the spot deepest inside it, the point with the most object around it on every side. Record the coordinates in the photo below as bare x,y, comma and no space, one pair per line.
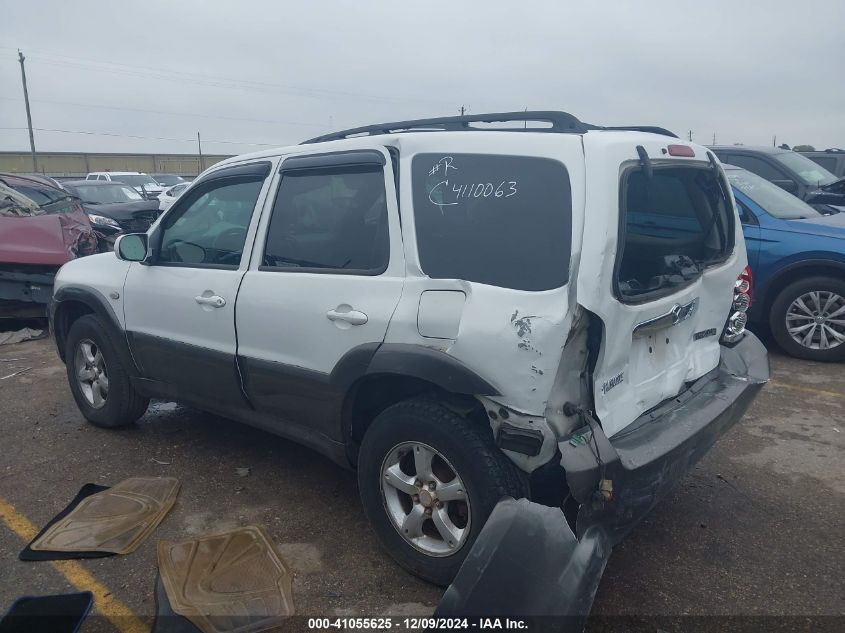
674,225
500,220
331,219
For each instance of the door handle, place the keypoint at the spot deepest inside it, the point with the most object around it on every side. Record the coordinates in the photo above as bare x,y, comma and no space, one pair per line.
353,317
215,301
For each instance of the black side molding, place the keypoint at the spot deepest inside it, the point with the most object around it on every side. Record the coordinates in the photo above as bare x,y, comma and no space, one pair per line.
429,364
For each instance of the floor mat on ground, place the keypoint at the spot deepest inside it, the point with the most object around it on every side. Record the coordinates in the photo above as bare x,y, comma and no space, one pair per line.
116,520
29,554
233,582
166,619
47,614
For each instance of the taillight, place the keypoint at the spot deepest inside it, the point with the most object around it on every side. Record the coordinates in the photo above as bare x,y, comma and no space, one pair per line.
681,150
735,327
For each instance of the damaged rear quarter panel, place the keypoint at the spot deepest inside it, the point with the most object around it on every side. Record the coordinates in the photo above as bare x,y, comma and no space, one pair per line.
512,338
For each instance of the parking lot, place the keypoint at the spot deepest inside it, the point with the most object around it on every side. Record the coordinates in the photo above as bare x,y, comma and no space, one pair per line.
755,529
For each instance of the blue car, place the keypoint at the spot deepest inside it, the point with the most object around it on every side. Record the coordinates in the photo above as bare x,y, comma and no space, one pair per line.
797,259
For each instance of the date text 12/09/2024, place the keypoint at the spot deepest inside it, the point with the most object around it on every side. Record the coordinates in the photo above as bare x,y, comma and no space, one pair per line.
411,623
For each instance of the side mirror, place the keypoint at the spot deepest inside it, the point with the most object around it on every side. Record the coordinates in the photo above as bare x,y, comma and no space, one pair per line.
131,247
787,185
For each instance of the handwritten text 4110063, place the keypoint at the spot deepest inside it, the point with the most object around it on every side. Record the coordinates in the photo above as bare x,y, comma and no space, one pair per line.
451,195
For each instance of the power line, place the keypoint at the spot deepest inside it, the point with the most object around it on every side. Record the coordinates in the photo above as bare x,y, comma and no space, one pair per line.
165,112
211,80
149,138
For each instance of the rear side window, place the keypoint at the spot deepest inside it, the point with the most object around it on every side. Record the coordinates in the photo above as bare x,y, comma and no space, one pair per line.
330,220
674,225
500,220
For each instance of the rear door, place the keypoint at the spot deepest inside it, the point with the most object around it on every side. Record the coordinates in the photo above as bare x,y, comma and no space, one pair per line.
326,275
658,267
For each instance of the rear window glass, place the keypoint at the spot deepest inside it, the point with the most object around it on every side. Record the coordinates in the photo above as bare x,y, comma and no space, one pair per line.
500,220
675,224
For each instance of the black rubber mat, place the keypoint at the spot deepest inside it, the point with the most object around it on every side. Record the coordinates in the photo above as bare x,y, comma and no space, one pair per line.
47,614
168,621
30,554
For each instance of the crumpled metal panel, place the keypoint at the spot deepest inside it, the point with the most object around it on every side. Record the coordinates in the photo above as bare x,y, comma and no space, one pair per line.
233,582
116,520
31,235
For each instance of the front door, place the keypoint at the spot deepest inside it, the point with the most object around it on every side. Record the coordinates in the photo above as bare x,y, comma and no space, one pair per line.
180,305
326,276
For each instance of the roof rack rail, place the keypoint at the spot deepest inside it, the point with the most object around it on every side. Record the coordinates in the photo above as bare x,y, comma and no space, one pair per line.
643,128
561,123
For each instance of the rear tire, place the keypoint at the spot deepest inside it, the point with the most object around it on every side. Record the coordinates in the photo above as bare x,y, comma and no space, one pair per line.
98,375
805,307
467,469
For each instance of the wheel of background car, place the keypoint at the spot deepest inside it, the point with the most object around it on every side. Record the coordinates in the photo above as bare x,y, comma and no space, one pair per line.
98,375
428,480
807,319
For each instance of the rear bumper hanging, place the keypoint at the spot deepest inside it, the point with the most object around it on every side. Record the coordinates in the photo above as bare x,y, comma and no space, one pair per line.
528,563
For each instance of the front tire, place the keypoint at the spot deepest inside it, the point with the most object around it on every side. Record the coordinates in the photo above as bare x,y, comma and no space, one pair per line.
807,319
428,480
98,376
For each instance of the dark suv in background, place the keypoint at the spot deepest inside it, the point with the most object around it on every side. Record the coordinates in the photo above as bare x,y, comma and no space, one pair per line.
832,160
790,170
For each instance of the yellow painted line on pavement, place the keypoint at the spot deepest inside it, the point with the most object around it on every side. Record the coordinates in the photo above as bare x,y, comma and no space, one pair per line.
104,602
813,390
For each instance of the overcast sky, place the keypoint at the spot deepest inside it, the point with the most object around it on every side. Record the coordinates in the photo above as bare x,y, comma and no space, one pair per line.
275,73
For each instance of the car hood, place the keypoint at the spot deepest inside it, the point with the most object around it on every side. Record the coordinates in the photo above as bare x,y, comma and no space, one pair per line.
124,210
827,225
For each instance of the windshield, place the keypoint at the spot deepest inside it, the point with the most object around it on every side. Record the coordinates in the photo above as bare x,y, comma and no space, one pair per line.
107,194
136,180
167,180
774,200
811,173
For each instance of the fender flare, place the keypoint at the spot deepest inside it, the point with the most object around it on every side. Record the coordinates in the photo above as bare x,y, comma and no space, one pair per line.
771,282
415,361
90,297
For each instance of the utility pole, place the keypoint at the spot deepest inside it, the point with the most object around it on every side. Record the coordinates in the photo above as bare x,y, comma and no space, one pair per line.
775,140
689,134
463,109
21,59
199,147
714,139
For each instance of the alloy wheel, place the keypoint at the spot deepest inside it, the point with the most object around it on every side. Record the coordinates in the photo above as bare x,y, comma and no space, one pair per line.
816,320
91,373
425,498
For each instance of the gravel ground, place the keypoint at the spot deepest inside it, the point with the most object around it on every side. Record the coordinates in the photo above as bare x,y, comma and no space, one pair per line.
755,529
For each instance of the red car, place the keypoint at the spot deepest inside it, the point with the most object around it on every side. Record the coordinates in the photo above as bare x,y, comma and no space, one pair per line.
41,228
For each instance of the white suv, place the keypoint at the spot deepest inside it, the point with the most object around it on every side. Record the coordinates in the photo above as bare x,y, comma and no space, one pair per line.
143,183
461,314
